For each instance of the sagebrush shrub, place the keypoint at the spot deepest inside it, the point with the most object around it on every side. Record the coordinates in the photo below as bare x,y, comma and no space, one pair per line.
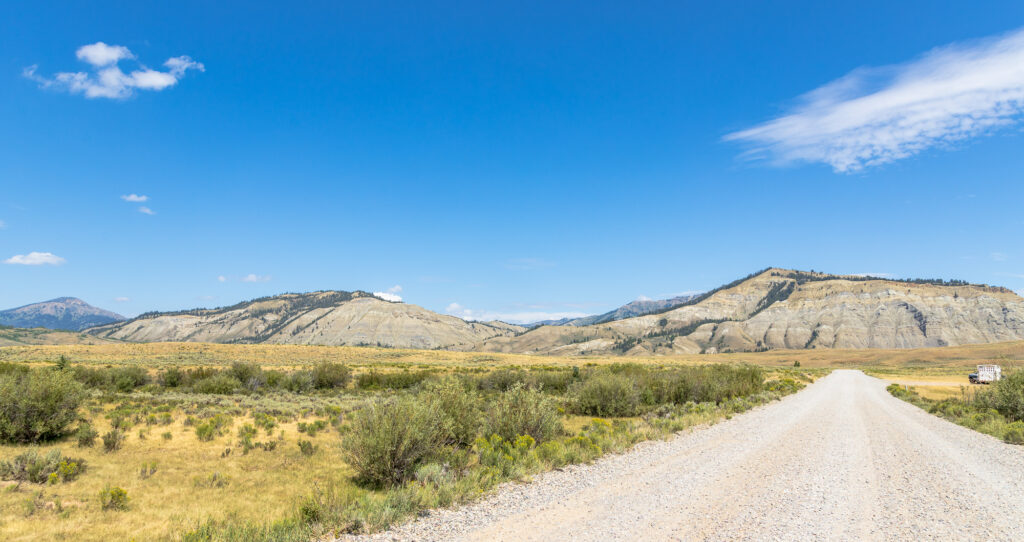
459,411
218,384
31,466
113,498
390,439
112,440
1007,396
306,447
86,435
606,395
523,411
330,375
37,405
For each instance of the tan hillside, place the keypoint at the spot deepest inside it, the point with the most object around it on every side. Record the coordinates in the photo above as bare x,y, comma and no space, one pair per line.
779,308
321,318
14,336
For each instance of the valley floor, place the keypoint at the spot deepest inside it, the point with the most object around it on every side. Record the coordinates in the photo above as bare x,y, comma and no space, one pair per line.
841,460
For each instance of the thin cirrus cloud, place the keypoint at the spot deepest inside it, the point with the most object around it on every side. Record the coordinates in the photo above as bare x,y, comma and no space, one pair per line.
146,210
105,79
875,116
35,258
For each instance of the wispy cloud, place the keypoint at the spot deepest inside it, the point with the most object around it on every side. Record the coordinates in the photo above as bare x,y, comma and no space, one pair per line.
122,299
221,278
513,317
135,198
106,79
878,115
253,277
3,225
146,210
528,264
35,258
877,275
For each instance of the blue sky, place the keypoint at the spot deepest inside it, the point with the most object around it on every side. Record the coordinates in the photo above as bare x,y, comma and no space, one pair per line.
517,161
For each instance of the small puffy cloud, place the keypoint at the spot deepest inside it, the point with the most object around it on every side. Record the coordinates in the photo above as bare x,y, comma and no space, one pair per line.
107,80
386,296
35,258
879,115
253,277
221,278
122,299
146,210
100,54
135,198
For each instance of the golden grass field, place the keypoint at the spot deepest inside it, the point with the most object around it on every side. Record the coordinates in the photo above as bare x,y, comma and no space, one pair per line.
265,485
941,360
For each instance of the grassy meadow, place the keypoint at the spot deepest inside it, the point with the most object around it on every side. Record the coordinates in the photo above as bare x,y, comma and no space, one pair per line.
281,442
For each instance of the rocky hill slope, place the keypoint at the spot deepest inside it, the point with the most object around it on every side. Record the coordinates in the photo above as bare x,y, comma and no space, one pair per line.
323,318
779,308
62,313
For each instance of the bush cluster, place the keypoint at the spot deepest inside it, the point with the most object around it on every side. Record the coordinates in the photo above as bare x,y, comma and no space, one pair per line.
31,466
37,405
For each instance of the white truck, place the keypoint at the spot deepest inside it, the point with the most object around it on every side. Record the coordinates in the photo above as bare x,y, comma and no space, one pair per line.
986,374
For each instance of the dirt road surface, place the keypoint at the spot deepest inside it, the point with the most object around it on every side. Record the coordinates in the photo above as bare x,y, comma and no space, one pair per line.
841,460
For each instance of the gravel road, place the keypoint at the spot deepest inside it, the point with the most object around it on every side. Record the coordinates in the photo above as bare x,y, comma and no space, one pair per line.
841,460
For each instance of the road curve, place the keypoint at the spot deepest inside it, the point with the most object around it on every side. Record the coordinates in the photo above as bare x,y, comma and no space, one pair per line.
841,460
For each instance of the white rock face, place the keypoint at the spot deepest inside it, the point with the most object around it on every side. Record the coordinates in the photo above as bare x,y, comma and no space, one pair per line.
322,318
780,308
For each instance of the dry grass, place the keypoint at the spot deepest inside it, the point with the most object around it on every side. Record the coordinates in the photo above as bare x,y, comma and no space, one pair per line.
945,360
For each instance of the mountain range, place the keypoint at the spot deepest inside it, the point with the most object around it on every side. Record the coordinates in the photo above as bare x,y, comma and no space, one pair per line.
770,309
68,313
780,308
325,317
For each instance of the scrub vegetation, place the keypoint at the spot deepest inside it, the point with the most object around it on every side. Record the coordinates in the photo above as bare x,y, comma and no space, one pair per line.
290,451
997,410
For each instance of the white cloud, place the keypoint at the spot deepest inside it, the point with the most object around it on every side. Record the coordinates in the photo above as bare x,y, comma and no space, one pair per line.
122,299
146,210
643,298
101,54
3,225
514,317
253,277
135,198
874,116
878,275
107,80
999,256
35,258
221,278
388,296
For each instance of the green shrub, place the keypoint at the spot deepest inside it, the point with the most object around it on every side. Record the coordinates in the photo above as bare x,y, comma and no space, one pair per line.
606,395
112,440
37,405
459,411
1007,396
306,447
522,411
113,498
219,384
390,439
86,435
1014,433
31,466
299,382
330,375
250,375
172,377
399,380
502,380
